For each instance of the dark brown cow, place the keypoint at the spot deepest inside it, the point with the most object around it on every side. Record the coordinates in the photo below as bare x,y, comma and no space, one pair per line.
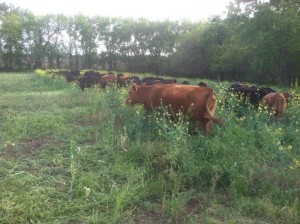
276,103
197,102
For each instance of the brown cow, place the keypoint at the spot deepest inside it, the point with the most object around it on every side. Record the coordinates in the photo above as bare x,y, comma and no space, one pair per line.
198,102
275,102
107,79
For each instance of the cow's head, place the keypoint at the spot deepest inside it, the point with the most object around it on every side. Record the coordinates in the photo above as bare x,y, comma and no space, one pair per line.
133,96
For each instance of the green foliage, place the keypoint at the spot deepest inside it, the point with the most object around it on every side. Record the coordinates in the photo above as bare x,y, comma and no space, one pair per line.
258,41
73,156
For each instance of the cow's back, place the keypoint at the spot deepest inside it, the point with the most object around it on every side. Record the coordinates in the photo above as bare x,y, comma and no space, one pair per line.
180,97
108,79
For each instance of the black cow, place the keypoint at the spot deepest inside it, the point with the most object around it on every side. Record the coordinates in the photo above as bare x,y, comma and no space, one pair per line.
202,84
121,80
124,80
75,72
88,81
156,80
135,79
151,79
185,82
253,93
72,75
91,73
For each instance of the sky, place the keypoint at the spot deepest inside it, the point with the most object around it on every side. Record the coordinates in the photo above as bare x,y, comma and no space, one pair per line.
193,10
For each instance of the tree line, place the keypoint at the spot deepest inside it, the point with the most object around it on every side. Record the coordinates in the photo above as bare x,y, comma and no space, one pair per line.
257,41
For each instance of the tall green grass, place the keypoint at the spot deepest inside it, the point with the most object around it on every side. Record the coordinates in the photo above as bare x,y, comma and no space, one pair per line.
68,156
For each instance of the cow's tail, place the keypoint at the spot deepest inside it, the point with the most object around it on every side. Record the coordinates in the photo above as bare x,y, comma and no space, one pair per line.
280,105
211,103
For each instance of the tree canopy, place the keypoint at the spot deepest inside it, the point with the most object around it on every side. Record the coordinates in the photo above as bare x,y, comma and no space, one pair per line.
257,41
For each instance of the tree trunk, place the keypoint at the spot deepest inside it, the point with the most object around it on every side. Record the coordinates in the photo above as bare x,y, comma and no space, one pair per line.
284,68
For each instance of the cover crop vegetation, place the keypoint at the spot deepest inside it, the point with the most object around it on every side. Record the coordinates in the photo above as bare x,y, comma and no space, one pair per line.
68,156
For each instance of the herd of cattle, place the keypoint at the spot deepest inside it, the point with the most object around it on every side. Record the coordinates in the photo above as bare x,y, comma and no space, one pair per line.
198,102
93,78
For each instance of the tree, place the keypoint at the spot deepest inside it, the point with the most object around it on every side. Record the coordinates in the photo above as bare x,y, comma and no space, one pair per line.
56,49
73,43
84,31
39,34
114,37
274,36
162,39
11,36
138,45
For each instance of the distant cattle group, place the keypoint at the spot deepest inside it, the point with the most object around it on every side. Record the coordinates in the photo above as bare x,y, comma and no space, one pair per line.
199,101
92,78
275,102
253,93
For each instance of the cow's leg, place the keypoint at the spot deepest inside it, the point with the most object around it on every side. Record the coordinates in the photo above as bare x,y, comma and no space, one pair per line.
206,125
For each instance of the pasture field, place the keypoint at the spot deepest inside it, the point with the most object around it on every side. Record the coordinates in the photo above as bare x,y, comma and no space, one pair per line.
68,156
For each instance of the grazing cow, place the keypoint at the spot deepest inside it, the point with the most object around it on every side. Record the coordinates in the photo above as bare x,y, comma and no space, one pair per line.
153,82
263,91
75,72
151,78
253,93
156,80
90,73
108,79
88,81
72,75
124,80
185,82
202,84
134,79
121,80
197,102
239,84
275,102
